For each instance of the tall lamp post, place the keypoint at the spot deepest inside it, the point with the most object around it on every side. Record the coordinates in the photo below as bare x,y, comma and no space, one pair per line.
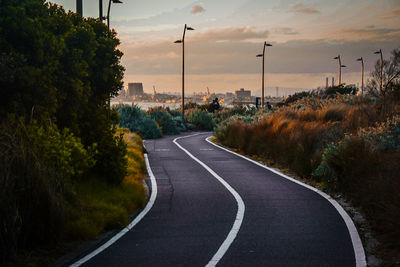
108,10
182,41
362,74
263,66
340,69
380,52
101,18
79,8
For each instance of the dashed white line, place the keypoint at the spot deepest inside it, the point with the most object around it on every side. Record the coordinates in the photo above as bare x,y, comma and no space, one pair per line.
132,224
355,238
239,215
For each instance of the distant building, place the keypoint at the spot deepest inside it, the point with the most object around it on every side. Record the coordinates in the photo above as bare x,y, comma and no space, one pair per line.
135,89
242,94
229,95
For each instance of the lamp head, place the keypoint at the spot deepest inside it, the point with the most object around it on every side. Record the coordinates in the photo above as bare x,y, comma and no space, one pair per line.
377,52
268,44
359,59
178,41
117,1
343,66
259,55
336,57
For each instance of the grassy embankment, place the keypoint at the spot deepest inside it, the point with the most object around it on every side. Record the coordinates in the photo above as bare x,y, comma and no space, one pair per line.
342,145
101,206
45,212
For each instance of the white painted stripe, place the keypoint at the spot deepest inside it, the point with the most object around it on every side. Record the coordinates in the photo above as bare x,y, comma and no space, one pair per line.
355,238
132,224
239,215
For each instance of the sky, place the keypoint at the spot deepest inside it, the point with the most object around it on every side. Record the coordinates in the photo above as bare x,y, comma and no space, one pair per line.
221,52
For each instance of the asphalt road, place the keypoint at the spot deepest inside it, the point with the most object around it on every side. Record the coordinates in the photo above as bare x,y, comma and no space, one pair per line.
284,224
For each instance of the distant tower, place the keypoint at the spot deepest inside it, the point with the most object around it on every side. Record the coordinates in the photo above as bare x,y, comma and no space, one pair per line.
135,89
327,81
333,81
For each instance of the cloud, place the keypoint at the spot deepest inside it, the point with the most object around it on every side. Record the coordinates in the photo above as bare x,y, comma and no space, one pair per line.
197,9
395,13
285,31
231,34
301,8
368,33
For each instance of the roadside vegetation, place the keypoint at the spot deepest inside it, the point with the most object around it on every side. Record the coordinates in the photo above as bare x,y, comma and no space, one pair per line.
66,171
345,143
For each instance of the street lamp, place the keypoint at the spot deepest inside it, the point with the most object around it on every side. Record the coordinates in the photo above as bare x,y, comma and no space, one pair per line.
108,11
380,52
182,41
79,8
263,57
340,69
362,74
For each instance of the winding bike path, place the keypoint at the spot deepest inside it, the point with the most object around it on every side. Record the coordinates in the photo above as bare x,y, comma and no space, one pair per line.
197,220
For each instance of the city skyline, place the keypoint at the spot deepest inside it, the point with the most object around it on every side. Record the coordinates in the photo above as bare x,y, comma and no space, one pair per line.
220,53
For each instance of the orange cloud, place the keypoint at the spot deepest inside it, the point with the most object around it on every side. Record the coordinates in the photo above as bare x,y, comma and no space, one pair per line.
300,8
197,9
231,34
395,13
369,33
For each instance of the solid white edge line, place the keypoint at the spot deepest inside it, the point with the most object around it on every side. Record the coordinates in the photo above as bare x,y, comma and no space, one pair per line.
355,238
132,224
239,215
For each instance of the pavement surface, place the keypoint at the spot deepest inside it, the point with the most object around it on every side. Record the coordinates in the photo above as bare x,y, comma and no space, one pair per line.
284,224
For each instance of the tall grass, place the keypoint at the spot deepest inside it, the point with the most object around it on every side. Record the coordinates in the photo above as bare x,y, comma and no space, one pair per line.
99,206
342,143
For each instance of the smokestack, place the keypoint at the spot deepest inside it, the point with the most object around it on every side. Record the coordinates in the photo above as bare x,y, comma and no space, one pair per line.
333,81
327,81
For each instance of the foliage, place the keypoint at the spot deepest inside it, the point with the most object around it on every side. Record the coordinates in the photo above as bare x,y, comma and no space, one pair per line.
165,121
369,177
37,166
136,120
202,119
342,141
62,69
389,90
98,206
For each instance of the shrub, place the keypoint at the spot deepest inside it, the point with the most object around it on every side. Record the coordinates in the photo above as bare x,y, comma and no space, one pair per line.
165,121
368,175
37,165
202,119
136,120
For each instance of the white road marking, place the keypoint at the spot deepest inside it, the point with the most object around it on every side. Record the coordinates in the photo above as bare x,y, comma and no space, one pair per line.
355,238
239,215
206,149
162,149
132,224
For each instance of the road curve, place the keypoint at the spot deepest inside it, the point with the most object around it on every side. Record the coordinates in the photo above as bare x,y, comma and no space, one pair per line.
191,216
284,223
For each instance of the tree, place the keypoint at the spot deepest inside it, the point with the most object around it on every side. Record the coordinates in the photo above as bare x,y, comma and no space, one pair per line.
390,89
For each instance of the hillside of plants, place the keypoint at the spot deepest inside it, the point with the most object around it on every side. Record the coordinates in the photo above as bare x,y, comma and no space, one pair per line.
67,172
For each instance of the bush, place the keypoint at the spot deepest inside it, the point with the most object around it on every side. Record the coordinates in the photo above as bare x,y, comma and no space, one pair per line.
99,206
136,120
202,119
37,166
367,175
165,121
